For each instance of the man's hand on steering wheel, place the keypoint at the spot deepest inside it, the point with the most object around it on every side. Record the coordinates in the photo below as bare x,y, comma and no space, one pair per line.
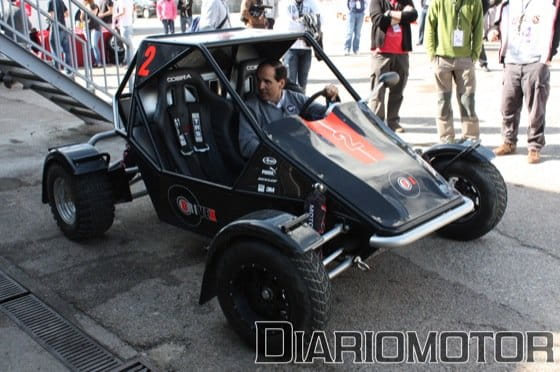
330,92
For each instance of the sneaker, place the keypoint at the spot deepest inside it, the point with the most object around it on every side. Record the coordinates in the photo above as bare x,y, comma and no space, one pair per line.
485,68
533,157
397,128
347,52
505,149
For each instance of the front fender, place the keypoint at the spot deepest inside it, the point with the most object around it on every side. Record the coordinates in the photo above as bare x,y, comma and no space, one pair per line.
79,159
471,151
264,225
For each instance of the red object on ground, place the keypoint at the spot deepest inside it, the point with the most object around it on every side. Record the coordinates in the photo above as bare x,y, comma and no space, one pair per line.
44,40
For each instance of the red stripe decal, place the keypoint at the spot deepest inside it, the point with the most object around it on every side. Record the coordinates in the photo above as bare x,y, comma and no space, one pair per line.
345,139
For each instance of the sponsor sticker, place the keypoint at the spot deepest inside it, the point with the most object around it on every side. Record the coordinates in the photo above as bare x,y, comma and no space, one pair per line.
188,208
269,160
405,184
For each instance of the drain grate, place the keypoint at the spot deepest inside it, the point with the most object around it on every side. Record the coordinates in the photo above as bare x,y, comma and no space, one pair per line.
135,365
72,347
9,288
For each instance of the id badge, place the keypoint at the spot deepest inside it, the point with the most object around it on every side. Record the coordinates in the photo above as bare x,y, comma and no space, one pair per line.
396,28
458,38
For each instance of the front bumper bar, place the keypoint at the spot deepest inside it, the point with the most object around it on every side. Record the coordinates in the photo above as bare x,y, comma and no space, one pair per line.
424,229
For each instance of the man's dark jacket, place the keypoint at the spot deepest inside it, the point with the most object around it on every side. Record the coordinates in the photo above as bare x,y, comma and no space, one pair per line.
380,22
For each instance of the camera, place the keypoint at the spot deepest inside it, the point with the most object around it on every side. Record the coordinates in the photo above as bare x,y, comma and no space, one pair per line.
258,10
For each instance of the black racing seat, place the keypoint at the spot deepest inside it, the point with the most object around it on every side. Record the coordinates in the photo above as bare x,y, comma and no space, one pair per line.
197,128
224,120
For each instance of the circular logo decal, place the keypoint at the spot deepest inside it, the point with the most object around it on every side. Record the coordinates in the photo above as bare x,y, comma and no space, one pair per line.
404,184
269,160
185,205
291,109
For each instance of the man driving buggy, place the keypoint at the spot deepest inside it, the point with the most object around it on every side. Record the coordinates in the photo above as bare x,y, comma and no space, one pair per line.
275,102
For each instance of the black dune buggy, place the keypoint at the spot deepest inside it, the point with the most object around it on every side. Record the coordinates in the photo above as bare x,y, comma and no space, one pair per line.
316,198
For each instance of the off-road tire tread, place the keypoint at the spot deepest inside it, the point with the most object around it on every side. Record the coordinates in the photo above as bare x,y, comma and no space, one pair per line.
95,210
319,286
489,172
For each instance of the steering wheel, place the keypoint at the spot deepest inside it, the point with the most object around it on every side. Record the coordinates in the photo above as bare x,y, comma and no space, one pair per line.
303,112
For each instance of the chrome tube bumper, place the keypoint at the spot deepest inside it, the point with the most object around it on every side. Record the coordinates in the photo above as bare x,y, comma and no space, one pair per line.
424,229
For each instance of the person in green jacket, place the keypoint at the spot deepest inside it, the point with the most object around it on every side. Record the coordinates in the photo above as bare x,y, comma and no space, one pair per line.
453,40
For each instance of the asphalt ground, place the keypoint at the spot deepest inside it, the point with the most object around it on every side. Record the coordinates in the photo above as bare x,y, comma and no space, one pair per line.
136,289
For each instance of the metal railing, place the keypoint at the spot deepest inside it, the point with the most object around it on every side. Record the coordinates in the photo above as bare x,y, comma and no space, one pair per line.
101,81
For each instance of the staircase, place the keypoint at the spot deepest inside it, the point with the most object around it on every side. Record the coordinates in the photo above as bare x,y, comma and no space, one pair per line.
82,90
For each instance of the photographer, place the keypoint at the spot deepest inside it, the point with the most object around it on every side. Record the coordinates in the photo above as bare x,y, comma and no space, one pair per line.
252,13
299,16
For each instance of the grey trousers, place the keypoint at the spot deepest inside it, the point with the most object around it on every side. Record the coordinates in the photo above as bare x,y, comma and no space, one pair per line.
461,71
533,82
381,63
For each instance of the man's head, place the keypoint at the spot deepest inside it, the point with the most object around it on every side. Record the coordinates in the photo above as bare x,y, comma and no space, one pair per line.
271,80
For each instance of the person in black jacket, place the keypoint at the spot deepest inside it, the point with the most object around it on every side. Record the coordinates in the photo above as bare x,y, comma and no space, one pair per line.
390,43
184,8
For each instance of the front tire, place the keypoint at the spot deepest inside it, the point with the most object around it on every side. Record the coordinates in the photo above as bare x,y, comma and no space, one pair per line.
82,205
146,13
256,282
485,186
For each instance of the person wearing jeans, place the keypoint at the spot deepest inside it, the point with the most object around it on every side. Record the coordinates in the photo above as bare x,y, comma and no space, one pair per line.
184,7
354,26
94,31
423,12
58,35
167,12
298,62
298,57
123,19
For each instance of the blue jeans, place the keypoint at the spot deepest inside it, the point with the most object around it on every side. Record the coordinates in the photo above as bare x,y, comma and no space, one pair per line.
298,62
95,37
168,26
127,35
185,23
353,31
423,14
64,46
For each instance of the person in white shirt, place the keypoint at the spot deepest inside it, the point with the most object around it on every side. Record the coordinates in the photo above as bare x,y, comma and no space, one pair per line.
529,32
214,15
123,18
298,57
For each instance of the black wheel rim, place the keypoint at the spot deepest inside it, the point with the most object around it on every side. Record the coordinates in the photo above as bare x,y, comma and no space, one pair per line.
468,189
259,294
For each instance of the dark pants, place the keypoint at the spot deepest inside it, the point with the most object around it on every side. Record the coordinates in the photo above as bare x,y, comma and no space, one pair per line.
531,81
298,62
63,47
482,59
168,26
381,63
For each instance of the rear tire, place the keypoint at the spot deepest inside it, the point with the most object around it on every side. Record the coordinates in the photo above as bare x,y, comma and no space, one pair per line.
146,13
485,186
256,282
82,205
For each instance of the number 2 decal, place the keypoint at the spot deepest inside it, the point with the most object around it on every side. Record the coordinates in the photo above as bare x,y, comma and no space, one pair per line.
150,54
